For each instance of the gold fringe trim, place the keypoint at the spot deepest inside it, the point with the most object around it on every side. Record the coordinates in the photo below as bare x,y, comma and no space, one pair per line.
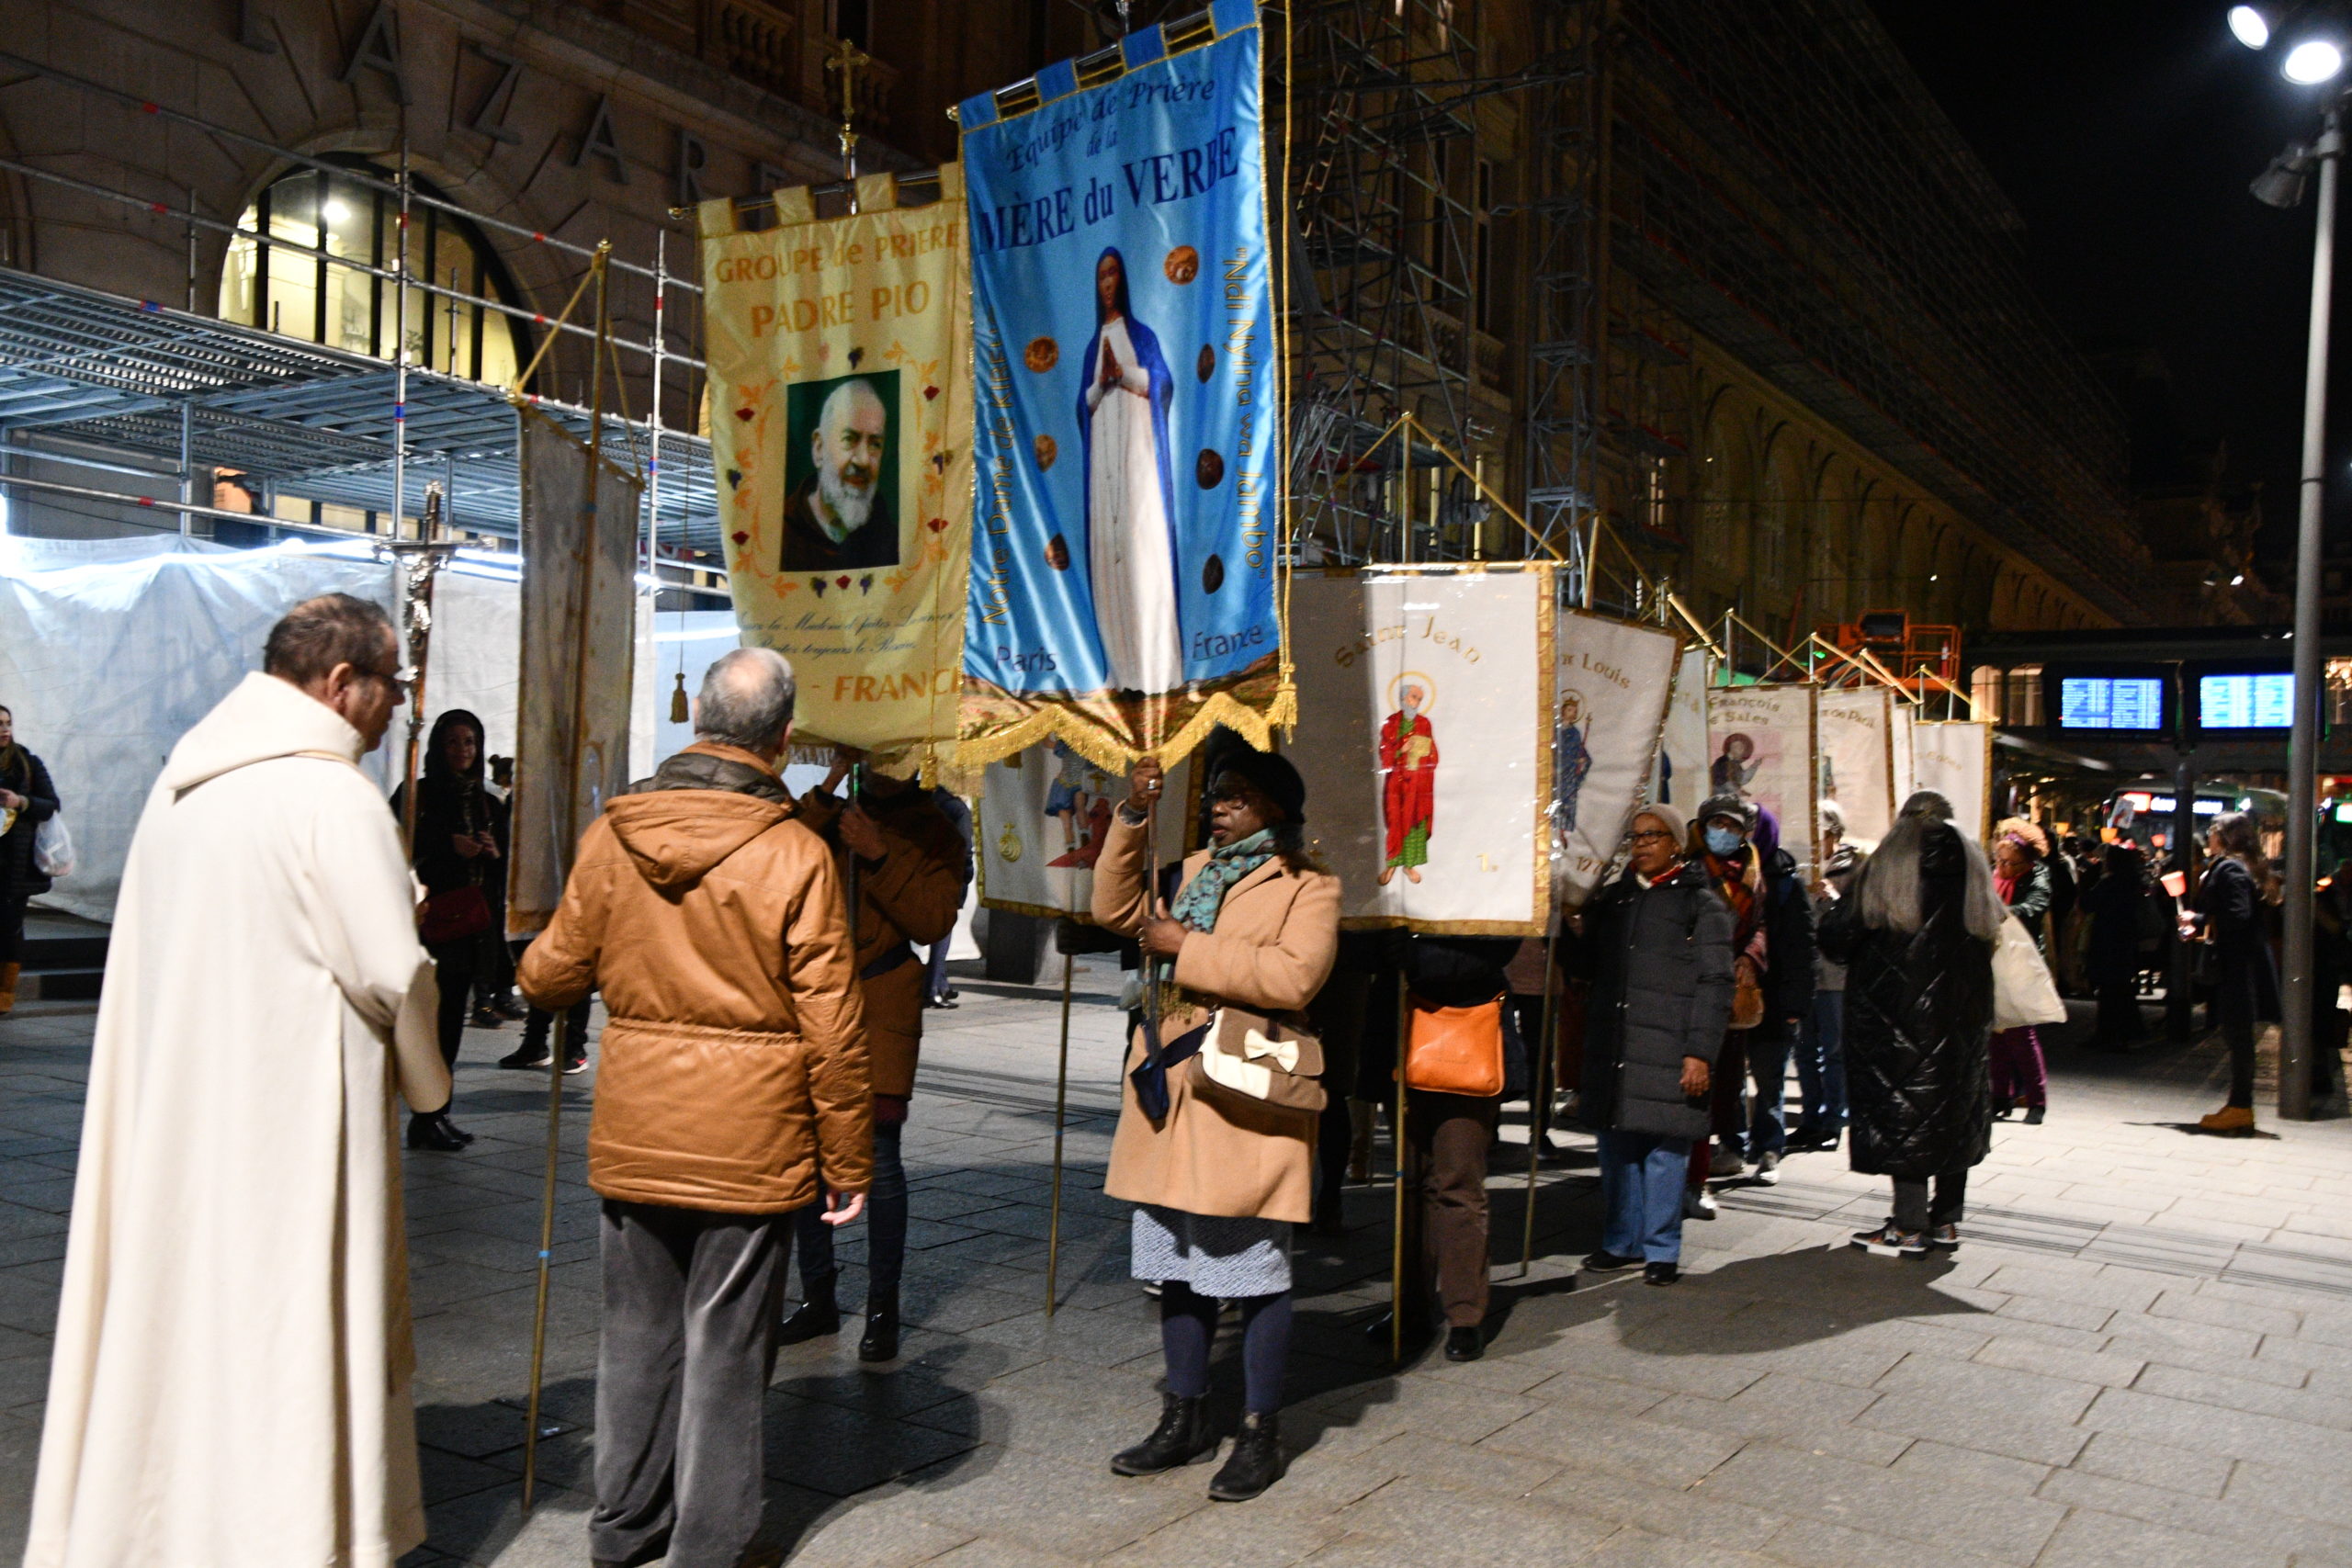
1084,736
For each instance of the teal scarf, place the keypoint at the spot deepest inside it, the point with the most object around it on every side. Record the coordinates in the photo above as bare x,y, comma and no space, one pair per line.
1197,905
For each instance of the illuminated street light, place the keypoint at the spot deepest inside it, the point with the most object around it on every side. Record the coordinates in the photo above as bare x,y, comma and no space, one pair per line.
2312,61
2249,26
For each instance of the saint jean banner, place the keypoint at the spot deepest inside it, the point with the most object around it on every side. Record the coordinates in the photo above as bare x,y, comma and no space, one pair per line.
1125,523
1760,745
841,428
1608,712
1858,758
1956,760
579,614
1425,710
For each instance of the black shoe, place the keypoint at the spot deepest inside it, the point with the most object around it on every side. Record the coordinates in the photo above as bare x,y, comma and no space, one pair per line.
1255,1463
1465,1343
1660,1273
1607,1262
576,1065
433,1131
527,1056
1890,1240
1181,1437
483,1018
881,1341
812,1319
2033,1115
455,1131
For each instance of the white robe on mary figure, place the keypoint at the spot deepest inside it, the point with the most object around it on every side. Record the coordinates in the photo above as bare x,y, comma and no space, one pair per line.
1128,560
230,1382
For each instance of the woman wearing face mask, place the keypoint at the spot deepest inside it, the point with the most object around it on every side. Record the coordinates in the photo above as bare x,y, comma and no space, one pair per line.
1218,1184
1736,870
1917,936
1656,949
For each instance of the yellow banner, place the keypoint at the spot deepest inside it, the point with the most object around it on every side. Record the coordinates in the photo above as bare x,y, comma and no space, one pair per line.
841,422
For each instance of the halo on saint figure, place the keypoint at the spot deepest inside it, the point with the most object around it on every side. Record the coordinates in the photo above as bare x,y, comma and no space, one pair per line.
1413,678
1571,706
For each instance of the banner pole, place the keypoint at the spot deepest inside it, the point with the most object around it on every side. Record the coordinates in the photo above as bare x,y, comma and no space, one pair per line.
1540,1085
1396,1262
1061,1109
559,1036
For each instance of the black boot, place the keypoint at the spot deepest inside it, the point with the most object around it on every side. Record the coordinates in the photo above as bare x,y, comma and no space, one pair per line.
813,1318
1181,1437
881,1339
432,1131
1255,1463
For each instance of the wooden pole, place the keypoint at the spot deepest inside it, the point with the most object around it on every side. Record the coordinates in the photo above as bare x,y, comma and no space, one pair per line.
1396,1264
559,1037
1539,1089
1061,1109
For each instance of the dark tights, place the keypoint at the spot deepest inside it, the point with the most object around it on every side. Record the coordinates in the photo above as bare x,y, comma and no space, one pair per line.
1188,1327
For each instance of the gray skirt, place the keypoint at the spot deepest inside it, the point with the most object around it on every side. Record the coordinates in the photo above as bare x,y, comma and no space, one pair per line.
1217,1256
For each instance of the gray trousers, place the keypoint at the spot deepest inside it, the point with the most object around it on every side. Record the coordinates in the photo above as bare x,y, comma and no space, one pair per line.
691,1300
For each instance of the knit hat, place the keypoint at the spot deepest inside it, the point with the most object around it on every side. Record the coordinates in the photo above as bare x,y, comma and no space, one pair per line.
1729,805
1273,776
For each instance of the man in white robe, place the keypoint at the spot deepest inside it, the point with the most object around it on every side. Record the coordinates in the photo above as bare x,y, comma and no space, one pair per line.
230,1387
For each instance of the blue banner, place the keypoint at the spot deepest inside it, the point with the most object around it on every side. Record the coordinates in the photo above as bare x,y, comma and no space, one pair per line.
1126,523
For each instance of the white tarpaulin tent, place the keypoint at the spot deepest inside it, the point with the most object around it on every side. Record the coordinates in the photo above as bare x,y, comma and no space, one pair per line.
110,648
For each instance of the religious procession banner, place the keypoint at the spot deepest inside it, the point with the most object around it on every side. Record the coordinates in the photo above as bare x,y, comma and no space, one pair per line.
1679,776
1425,737
841,428
1043,816
1609,710
1858,758
1907,772
1760,742
579,651
1956,760
1127,523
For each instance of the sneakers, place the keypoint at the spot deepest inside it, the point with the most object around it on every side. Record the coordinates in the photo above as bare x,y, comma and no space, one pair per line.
527,1058
1890,1241
1698,1204
1607,1262
576,1065
1660,1273
1727,1164
2230,1121
1944,1238
485,1017
1767,1168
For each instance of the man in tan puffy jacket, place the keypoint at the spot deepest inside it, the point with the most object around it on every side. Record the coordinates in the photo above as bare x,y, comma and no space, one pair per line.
732,1088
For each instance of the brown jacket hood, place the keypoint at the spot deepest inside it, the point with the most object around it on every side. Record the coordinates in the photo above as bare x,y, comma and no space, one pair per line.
698,808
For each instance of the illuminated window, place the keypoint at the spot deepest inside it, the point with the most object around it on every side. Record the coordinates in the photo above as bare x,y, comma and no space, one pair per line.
304,296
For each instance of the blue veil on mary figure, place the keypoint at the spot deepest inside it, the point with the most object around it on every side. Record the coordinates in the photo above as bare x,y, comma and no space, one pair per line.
1130,493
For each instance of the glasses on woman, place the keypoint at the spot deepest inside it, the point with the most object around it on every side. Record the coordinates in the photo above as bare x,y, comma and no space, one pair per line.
1652,835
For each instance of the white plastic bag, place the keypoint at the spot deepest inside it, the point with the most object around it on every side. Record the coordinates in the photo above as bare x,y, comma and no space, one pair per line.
53,848
2023,992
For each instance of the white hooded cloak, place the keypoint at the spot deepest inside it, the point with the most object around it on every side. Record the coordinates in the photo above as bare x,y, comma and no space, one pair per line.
230,1387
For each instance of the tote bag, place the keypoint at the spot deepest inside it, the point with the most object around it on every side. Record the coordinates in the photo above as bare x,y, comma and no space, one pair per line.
2023,993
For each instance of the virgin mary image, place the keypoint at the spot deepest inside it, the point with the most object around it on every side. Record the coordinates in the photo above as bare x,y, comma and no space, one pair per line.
1130,496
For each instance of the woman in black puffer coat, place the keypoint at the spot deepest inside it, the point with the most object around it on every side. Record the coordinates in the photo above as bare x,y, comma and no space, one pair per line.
1917,936
1655,947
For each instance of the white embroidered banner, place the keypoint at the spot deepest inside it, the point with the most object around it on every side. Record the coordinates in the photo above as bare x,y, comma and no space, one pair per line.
1857,739
1610,706
1760,746
1956,760
1042,813
1425,738
1679,776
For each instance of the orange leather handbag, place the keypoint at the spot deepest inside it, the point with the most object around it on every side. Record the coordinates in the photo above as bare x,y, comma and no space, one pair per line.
1455,1050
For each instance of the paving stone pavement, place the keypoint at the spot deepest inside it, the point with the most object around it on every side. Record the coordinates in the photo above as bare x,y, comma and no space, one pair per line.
2143,1355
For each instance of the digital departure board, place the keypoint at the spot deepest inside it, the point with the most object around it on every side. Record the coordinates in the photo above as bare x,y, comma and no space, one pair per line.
2112,701
2254,700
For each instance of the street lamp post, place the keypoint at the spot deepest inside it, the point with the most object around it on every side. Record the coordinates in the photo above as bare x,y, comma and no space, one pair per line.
2311,42
2302,745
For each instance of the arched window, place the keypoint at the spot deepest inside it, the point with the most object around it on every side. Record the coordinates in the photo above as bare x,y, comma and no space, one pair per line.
281,291
1719,547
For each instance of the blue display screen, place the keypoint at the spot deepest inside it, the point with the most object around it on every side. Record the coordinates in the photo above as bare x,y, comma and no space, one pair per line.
2264,701
2110,702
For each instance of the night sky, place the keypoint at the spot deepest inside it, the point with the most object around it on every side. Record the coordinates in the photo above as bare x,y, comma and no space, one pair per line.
2126,132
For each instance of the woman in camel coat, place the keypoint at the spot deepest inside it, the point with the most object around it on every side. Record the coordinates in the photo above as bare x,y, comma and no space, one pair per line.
1255,926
